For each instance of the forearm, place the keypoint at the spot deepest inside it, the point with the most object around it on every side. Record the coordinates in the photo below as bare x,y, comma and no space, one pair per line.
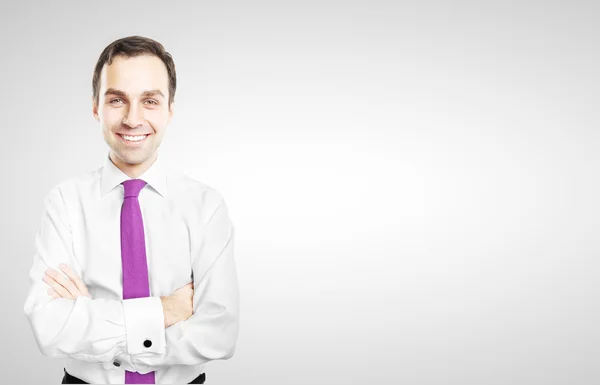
200,339
96,330
85,329
211,332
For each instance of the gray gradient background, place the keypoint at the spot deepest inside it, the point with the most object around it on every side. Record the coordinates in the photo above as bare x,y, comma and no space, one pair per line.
413,184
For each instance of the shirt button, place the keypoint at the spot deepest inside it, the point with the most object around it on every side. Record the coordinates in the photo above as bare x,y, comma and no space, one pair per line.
147,343
116,363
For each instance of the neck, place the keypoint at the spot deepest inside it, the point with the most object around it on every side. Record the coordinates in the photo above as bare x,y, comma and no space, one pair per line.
133,170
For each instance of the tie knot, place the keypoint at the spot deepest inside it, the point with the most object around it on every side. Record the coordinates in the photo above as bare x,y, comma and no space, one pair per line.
133,187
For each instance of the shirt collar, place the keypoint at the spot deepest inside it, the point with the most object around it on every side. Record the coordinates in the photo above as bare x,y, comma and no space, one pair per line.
112,176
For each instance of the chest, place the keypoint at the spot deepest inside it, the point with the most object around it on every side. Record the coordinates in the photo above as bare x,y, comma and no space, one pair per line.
168,243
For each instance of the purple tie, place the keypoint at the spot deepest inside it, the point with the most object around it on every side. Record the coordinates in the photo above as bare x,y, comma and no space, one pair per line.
133,258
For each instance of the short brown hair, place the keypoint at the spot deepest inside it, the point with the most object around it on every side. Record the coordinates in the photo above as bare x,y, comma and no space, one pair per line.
132,46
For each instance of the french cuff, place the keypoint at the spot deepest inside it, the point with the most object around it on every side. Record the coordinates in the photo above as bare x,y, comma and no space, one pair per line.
145,325
119,362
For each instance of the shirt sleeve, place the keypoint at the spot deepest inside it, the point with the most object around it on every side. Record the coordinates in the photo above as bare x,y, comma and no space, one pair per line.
92,330
211,332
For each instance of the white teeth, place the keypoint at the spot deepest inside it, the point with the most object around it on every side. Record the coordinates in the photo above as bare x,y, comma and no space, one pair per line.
133,138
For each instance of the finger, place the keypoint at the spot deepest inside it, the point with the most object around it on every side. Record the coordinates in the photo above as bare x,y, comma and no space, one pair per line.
75,278
52,293
64,281
57,287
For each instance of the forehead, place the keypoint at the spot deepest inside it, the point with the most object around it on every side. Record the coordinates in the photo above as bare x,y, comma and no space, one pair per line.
133,75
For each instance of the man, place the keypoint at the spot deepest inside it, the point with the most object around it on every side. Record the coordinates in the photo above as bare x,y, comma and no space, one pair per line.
133,279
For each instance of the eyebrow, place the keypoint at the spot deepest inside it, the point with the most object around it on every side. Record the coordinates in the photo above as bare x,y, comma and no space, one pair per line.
122,94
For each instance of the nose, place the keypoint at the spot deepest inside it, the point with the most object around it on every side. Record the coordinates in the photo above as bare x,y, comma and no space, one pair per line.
134,116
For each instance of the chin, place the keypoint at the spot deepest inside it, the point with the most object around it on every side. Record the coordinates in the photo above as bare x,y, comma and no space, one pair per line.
128,157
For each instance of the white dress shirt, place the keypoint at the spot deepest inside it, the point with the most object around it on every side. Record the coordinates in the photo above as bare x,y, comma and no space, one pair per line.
189,238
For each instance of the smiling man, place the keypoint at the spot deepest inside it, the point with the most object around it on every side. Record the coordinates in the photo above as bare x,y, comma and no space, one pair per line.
133,101
134,279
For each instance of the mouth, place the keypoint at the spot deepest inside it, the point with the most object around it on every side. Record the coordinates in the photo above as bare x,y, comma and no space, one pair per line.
135,140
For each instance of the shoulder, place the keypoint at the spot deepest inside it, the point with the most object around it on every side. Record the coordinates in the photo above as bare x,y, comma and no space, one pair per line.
196,192
72,187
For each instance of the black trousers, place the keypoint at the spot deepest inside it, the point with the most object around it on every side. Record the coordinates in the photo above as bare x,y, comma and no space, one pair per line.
69,379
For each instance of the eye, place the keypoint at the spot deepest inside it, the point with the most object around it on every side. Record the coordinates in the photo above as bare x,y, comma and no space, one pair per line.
114,100
153,101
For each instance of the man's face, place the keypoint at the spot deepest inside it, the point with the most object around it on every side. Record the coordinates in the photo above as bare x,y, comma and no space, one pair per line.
132,101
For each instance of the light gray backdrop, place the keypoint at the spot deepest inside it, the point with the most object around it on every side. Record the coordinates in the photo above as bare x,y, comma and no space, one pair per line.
413,184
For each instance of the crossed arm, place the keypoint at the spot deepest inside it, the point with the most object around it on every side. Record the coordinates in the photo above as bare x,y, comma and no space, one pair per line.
67,322
176,307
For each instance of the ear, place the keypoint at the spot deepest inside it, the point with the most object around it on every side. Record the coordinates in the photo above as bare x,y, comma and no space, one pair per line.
95,110
171,110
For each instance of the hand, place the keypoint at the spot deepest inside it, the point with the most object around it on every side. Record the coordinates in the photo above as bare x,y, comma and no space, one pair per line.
179,305
63,287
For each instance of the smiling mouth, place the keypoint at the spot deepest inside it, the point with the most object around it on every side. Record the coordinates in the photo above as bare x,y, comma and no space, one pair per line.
133,139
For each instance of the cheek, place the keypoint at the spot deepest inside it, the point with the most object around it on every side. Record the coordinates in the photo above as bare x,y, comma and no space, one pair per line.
158,119
111,117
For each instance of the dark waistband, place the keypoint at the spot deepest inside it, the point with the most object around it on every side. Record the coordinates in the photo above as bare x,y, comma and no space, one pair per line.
69,379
